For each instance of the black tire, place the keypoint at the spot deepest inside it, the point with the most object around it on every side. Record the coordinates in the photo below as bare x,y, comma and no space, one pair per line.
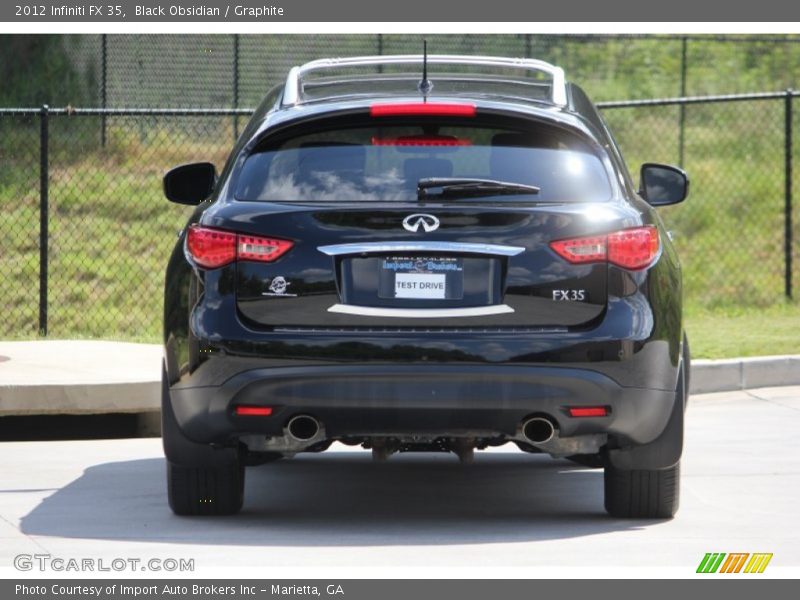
642,494
201,479
649,493
205,491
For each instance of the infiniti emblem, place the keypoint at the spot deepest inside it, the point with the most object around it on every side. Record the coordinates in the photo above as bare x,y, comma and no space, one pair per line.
428,222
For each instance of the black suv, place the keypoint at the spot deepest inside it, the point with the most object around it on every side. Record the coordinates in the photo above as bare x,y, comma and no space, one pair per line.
424,253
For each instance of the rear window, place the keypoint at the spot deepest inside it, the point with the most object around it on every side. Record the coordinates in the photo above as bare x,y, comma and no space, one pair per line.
385,162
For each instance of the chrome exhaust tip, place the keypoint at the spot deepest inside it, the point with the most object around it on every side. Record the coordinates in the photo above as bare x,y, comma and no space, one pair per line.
538,430
303,428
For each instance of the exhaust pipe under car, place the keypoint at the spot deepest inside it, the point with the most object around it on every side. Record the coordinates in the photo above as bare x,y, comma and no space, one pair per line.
303,428
538,430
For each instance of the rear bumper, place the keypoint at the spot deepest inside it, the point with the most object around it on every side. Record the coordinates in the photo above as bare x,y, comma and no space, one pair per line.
375,399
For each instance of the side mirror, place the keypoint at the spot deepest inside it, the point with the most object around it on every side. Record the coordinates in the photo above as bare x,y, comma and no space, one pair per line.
662,185
190,184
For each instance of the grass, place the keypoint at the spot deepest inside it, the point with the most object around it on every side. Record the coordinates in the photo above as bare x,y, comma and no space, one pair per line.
736,331
111,229
107,203
729,232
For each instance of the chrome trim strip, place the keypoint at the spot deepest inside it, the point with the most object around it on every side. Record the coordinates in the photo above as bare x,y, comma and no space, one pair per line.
428,246
420,313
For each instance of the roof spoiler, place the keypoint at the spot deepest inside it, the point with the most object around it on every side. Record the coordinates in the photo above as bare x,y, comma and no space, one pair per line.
293,89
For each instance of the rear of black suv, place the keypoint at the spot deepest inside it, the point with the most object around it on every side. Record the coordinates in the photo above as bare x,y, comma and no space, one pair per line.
424,274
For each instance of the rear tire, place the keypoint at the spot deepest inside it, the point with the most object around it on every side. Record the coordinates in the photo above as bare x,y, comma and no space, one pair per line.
642,494
201,479
651,493
205,490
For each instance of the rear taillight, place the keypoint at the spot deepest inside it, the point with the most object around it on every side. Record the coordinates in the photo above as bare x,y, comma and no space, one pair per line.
261,249
582,250
212,248
632,249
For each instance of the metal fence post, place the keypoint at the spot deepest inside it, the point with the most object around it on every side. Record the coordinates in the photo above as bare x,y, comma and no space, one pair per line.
787,216
235,84
44,180
682,108
103,86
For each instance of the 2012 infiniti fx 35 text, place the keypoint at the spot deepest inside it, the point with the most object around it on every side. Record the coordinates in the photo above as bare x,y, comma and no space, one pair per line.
424,253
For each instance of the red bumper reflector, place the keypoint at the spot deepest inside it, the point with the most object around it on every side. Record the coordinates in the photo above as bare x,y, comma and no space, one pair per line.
253,411
588,411
422,109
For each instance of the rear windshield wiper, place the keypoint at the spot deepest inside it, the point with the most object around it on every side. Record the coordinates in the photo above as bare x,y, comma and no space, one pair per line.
449,187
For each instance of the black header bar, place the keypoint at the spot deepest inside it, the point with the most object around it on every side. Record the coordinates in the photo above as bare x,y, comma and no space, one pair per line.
276,11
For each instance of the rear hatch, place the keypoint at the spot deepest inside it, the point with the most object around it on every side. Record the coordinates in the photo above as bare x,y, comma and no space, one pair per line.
373,249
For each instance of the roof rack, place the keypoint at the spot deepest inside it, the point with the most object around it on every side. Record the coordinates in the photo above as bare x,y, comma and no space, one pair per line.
293,89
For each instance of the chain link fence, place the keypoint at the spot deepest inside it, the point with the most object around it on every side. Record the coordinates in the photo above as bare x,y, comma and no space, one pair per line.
236,70
182,71
735,234
19,222
83,249
87,232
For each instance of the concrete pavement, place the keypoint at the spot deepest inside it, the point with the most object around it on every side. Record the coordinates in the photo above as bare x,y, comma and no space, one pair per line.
741,481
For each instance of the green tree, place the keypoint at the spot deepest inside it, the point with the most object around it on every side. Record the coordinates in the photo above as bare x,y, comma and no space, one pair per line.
43,69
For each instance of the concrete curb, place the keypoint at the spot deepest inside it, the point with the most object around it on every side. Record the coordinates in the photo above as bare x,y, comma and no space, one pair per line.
81,399
95,377
70,377
732,374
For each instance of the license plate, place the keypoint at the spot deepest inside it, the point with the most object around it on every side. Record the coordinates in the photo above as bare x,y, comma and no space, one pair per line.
419,285
421,278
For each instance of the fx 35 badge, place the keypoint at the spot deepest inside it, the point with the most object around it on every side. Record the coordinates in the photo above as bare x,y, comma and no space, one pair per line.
569,295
